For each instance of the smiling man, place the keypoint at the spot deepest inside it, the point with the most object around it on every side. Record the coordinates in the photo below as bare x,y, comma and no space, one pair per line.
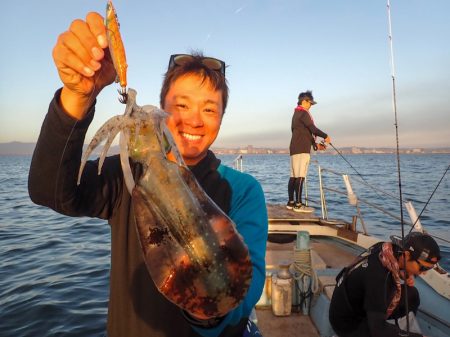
196,101
195,95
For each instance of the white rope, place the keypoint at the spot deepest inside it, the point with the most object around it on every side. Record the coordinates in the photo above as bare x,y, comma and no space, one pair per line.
301,267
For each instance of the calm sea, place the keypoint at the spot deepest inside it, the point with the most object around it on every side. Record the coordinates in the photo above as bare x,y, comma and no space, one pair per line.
54,269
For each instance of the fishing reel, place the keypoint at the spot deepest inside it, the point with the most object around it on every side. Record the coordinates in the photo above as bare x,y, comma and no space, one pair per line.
322,146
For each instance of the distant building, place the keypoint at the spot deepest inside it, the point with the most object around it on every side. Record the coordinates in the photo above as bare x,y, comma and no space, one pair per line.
250,149
356,150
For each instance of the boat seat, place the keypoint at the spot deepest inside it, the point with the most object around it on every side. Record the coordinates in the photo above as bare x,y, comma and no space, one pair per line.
321,304
328,291
327,280
316,261
326,276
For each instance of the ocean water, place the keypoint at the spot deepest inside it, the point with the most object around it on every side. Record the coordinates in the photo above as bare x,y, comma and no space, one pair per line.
54,269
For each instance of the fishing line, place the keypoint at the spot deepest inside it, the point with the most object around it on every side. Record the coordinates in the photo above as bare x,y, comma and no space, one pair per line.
339,153
426,204
391,195
342,156
384,192
437,237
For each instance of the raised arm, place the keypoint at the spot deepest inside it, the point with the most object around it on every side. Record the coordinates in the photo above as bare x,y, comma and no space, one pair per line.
306,120
85,68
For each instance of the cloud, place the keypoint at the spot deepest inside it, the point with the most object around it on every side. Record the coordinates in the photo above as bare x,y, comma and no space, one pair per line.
240,9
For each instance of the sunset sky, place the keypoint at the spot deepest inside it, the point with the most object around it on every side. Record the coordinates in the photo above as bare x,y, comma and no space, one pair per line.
274,49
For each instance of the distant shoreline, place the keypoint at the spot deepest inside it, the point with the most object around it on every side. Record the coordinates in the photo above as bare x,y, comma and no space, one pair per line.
26,149
343,150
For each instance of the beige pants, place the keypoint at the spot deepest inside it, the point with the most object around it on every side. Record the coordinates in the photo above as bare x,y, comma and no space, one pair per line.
299,165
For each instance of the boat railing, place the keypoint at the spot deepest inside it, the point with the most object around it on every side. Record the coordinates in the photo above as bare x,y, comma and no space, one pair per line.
352,198
237,163
356,201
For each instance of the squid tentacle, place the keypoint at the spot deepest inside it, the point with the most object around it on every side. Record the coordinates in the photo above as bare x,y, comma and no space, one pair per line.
107,131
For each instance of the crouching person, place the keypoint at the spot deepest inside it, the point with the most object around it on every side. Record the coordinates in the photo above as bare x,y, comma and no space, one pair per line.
371,291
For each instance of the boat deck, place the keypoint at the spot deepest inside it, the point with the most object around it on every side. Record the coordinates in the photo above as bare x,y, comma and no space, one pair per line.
326,255
333,245
280,212
332,255
295,325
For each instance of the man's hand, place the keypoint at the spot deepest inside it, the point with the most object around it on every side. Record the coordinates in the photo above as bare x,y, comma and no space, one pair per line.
410,281
321,147
328,140
83,63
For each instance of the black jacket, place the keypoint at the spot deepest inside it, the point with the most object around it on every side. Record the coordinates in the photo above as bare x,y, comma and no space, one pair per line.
52,183
364,295
303,129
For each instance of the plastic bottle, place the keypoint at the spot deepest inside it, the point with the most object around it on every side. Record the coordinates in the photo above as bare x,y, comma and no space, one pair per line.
282,291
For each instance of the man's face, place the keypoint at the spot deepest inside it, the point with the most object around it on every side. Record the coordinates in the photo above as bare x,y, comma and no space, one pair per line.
306,104
195,110
416,267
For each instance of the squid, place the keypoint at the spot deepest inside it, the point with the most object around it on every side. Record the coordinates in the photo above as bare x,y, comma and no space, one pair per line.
192,249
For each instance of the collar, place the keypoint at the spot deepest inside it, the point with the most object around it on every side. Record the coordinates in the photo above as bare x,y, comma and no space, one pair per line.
300,108
204,166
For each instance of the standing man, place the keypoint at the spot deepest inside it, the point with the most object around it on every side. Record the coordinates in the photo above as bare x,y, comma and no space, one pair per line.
372,290
304,134
195,94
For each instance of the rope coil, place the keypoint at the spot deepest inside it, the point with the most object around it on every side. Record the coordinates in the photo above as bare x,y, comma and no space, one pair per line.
301,270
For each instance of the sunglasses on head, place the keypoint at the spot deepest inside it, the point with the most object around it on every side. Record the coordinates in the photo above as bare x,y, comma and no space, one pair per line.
423,268
209,62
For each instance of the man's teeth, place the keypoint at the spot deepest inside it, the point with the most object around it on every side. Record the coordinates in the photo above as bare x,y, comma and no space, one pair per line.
191,137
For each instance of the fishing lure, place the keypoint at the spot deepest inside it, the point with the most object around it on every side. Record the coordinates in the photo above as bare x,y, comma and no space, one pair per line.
116,49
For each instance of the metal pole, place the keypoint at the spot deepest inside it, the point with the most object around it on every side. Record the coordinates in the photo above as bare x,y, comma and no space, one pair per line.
306,191
322,195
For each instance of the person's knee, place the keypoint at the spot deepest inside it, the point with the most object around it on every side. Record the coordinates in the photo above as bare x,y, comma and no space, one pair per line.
413,303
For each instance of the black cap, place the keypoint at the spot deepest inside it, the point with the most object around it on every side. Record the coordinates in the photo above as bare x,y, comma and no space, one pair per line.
306,96
422,246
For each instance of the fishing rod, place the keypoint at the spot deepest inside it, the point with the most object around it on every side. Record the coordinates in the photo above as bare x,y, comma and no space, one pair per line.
391,195
394,104
375,189
426,204
394,107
